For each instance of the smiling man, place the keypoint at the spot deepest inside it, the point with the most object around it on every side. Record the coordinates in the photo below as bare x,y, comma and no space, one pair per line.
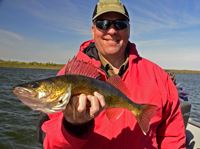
147,83
110,38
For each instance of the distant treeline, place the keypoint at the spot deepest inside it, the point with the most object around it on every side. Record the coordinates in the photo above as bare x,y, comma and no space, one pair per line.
50,65
184,71
29,63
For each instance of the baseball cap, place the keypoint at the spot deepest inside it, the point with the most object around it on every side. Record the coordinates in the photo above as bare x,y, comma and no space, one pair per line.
104,6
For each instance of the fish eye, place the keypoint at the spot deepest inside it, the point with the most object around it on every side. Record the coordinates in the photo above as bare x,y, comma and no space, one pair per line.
34,85
60,101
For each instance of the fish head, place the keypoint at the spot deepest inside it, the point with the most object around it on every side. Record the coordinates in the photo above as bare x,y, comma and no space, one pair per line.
49,96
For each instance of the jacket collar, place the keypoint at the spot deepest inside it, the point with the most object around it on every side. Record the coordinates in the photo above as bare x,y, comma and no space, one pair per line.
133,54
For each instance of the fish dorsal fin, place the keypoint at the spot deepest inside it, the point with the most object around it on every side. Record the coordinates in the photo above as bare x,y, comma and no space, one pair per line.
116,81
80,67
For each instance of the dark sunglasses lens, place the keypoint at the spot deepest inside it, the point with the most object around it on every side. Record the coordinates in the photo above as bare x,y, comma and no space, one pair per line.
119,25
104,24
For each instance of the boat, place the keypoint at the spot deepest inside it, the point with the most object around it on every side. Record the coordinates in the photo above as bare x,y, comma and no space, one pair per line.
192,128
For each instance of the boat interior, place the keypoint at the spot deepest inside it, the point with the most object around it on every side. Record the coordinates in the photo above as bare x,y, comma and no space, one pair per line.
192,128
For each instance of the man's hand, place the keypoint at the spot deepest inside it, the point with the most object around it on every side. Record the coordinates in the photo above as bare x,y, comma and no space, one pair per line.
77,112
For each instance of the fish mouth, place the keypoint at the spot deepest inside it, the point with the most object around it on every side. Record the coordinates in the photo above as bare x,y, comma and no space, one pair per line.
27,97
21,91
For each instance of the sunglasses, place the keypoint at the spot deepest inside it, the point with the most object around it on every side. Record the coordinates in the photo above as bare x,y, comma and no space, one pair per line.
105,24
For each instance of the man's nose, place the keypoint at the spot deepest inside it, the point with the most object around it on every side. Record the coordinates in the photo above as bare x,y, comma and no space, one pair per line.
112,29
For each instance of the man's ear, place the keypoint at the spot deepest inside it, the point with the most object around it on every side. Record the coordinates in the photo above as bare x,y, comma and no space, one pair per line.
93,27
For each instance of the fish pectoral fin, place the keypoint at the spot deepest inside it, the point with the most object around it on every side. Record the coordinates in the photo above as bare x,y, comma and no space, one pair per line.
113,113
143,117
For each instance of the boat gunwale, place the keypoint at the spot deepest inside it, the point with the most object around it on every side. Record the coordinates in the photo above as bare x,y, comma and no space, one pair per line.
196,124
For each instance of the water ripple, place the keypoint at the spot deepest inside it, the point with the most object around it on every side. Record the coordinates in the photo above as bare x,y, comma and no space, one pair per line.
17,121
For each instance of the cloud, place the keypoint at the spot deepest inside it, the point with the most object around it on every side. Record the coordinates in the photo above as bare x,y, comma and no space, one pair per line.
162,15
30,49
61,16
9,34
9,38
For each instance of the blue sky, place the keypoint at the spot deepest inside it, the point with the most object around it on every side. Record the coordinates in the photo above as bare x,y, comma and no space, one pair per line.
166,32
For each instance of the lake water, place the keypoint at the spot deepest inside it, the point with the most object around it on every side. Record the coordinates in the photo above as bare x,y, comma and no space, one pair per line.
18,122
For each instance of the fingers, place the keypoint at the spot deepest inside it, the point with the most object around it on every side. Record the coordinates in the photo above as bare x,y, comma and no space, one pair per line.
95,107
78,106
76,111
101,99
97,103
81,104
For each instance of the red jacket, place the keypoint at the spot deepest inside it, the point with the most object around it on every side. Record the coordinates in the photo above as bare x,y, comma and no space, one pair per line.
148,83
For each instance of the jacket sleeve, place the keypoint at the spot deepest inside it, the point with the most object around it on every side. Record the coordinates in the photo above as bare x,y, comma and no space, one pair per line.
171,130
58,137
40,133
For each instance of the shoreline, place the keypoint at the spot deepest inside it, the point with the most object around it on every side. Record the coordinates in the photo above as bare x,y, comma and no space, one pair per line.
32,66
58,67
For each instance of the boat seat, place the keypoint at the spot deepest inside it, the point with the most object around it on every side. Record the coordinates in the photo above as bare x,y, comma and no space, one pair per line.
185,110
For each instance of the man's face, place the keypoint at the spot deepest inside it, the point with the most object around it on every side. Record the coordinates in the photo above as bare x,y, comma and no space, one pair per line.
111,42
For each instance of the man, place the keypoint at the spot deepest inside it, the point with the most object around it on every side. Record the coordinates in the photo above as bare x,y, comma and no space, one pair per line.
114,54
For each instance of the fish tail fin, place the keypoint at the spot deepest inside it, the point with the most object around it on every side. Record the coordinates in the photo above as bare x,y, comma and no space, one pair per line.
144,116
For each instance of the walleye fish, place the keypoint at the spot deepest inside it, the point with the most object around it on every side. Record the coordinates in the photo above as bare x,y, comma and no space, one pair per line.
51,95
